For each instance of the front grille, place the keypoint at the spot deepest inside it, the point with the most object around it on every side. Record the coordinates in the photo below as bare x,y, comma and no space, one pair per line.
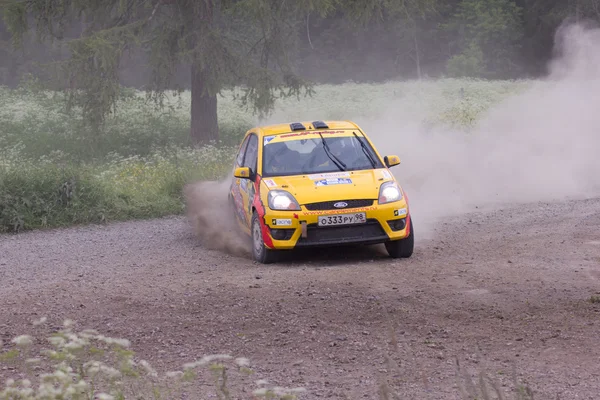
371,231
328,205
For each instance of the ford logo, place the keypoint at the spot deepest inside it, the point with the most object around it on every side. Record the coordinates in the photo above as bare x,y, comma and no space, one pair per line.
340,204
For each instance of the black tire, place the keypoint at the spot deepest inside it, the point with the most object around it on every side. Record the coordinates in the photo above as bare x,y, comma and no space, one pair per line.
402,248
260,253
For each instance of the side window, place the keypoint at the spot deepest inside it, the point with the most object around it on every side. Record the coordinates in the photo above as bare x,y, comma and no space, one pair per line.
251,154
240,157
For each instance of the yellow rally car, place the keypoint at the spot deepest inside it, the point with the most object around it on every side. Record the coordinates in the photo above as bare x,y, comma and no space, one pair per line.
317,184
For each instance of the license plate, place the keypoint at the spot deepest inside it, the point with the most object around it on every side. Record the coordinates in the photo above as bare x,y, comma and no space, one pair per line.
343,219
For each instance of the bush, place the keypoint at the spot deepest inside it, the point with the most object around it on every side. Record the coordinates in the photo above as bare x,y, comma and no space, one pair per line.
47,194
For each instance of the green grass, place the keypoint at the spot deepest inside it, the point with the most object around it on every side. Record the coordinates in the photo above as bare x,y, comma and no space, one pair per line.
54,171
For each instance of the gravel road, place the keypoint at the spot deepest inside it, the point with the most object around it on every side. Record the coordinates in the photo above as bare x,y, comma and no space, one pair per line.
494,290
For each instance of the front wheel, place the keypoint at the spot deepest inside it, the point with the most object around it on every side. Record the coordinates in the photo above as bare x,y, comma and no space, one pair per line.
260,252
402,248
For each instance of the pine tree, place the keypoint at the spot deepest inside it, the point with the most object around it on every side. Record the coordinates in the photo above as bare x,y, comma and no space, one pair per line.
227,43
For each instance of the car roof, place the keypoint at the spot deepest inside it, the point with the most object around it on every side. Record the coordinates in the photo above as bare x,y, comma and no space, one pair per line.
278,129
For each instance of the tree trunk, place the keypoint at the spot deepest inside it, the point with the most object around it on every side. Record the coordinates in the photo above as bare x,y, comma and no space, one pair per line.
204,126
417,52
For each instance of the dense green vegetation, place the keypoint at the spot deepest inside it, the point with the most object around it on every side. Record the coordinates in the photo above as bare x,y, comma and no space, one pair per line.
53,172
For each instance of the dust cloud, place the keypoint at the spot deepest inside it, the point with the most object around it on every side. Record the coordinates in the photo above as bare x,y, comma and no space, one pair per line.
210,217
539,145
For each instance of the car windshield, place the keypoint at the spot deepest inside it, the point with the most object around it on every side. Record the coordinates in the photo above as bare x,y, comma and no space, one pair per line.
316,155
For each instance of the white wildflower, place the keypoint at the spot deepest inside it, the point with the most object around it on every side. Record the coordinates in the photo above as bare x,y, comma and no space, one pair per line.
242,361
174,374
26,383
60,375
118,342
33,361
26,393
68,323
110,372
23,340
70,391
88,333
76,344
148,368
190,365
213,357
81,386
57,341
261,382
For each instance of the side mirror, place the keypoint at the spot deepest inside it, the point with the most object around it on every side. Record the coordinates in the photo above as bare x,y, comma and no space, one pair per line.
390,161
242,173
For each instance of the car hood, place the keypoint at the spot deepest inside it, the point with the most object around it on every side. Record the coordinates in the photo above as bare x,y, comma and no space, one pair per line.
341,185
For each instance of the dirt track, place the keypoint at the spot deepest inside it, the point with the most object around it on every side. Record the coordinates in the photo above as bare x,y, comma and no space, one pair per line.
491,289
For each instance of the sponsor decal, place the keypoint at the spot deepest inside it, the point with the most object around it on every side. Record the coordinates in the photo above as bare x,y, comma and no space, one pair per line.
303,133
329,175
333,181
270,183
399,213
267,139
386,174
326,212
281,222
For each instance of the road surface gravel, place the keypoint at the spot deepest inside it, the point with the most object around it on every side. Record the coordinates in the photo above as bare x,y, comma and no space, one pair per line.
493,290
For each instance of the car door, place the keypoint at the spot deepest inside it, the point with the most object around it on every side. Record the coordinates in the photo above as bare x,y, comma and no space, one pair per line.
247,186
236,184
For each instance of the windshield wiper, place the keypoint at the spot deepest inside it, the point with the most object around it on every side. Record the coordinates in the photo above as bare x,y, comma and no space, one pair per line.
332,156
365,150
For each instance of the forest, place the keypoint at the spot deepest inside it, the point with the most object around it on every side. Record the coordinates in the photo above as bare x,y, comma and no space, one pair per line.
271,46
394,39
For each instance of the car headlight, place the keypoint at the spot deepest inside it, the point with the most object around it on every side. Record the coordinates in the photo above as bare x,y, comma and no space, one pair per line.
282,200
389,192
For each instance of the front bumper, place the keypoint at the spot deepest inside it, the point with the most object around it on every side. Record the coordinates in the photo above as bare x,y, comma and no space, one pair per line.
295,229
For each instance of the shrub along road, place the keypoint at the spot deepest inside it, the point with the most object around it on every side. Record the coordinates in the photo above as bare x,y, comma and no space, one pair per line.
495,289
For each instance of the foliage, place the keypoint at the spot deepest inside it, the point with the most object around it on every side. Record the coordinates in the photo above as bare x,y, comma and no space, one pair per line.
488,35
48,192
54,172
326,41
89,365
469,63
227,43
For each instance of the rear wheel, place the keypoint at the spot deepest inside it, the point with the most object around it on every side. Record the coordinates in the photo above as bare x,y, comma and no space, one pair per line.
260,252
402,248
